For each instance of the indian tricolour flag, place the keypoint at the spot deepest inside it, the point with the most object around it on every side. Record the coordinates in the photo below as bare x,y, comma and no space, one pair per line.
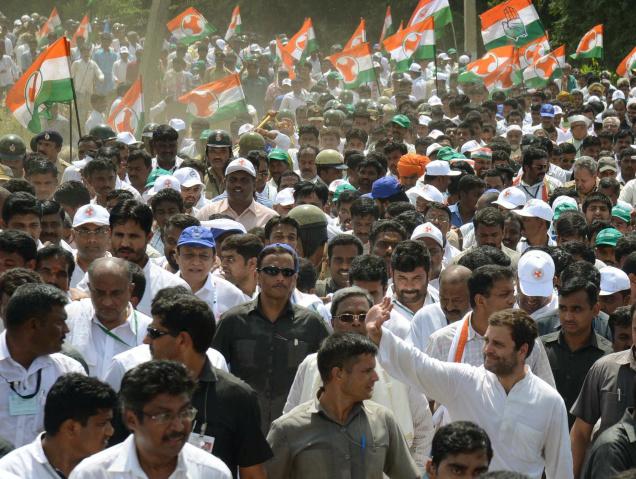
52,24
286,60
591,45
545,69
530,52
128,114
497,69
514,22
403,44
355,65
83,30
220,100
235,24
190,26
628,63
438,9
387,25
358,37
46,81
303,42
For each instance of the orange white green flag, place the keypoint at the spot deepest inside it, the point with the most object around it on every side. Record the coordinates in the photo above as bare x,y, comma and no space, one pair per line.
286,60
438,9
498,69
591,45
387,25
530,52
627,64
355,65
83,31
190,26
358,37
303,42
235,24
128,114
219,100
46,81
545,69
513,22
52,25
414,42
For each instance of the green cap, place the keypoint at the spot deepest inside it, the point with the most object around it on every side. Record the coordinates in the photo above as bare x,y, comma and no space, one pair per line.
334,75
607,237
278,154
341,188
154,174
204,135
447,153
12,147
560,209
452,51
401,120
622,213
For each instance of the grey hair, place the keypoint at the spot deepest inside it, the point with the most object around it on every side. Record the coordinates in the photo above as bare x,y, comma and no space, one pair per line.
345,293
586,162
110,261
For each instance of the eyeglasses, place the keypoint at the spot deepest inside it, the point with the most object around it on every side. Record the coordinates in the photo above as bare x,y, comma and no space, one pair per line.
350,318
154,333
165,418
83,233
275,271
437,219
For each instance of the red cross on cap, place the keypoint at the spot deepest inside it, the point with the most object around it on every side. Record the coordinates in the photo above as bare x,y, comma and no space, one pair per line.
428,229
89,211
167,183
506,194
538,273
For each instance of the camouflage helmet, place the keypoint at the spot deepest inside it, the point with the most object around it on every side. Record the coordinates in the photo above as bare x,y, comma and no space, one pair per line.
148,130
219,139
334,118
103,132
12,147
308,215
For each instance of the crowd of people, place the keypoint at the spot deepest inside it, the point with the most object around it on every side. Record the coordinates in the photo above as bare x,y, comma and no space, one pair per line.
413,278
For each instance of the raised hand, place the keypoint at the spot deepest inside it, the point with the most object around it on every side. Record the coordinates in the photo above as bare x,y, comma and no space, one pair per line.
376,317
513,25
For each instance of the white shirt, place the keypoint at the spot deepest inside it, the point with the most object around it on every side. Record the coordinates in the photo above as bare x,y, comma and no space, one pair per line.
440,342
95,118
9,71
121,462
313,302
549,308
220,295
28,461
94,343
20,429
449,253
425,322
528,426
401,316
290,101
409,407
157,278
127,360
85,75
120,68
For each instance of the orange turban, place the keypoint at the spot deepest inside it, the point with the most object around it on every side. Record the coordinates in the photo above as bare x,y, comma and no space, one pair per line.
412,164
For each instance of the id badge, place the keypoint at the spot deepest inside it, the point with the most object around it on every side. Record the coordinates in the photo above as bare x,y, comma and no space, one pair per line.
201,441
21,407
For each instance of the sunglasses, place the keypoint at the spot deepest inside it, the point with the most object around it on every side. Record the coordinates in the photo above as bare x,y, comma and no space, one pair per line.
154,333
350,318
275,271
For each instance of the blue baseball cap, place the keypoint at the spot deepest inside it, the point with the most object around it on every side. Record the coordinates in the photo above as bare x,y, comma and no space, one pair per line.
385,187
197,236
547,110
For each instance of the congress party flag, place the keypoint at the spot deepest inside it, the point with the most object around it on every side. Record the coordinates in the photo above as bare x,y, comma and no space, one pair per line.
497,69
52,24
219,100
128,114
358,37
545,69
530,52
387,25
285,58
303,42
190,26
628,63
591,45
83,30
438,9
235,24
416,41
514,22
46,81
355,65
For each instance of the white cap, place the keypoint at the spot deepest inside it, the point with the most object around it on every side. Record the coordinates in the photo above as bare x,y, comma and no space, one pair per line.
427,192
285,197
428,230
162,182
440,168
220,43
188,177
579,119
513,128
618,95
469,146
245,128
434,100
511,198
463,59
424,120
536,209
335,184
126,137
432,148
224,224
177,123
443,56
592,98
95,214
557,110
286,82
415,67
123,50
560,200
435,134
17,23
613,280
536,271
241,164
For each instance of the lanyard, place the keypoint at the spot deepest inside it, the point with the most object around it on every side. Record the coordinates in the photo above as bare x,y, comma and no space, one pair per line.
37,387
108,332
461,344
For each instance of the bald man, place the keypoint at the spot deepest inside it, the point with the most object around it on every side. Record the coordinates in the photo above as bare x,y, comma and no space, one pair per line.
453,304
105,324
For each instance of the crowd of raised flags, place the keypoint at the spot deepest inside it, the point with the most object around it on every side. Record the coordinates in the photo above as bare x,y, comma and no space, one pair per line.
376,258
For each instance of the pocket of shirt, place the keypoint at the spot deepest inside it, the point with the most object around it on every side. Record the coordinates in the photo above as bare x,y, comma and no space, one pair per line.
611,406
245,354
297,350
